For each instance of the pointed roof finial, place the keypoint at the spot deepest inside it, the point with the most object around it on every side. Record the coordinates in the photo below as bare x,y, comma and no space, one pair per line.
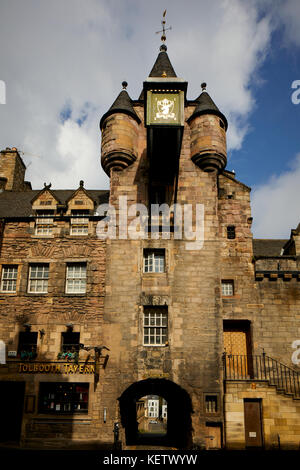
203,86
163,31
124,85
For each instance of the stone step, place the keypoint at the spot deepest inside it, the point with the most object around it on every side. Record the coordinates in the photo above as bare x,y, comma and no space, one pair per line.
147,447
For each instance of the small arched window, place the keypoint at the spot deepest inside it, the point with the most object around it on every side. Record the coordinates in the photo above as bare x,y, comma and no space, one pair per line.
231,232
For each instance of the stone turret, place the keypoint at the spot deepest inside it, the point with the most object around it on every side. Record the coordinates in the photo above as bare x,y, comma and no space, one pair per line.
119,127
12,171
208,134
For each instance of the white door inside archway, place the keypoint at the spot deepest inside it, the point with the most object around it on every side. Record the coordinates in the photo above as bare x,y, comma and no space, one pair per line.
2,352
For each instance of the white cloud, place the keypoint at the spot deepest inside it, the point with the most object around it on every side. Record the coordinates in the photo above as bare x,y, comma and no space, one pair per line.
80,52
288,13
276,204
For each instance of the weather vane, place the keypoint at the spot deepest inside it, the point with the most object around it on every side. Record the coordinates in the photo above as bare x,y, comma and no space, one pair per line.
164,29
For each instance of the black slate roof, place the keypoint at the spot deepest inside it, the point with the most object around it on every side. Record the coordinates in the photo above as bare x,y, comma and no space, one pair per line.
18,203
122,104
266,247
161,65
205,105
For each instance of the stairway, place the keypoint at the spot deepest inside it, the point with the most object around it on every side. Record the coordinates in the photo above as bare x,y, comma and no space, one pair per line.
262,368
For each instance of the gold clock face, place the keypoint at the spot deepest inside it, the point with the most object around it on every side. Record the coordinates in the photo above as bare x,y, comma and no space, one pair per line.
164,108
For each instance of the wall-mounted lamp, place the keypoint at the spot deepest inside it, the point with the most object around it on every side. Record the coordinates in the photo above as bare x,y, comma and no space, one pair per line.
27,326
70,326
42,333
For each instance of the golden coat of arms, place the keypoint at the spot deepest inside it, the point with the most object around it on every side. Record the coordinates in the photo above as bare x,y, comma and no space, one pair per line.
165,109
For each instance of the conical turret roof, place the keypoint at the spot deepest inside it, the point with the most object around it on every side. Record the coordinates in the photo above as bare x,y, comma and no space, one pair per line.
162,65
205,105
122,104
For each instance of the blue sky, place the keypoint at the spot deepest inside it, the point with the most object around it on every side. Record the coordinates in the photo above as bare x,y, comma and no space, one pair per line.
273,139
63,63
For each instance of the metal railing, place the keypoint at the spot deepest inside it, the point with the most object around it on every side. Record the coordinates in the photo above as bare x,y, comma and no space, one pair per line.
262,367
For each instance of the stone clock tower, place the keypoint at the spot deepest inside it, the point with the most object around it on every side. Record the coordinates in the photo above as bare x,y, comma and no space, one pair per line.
162,306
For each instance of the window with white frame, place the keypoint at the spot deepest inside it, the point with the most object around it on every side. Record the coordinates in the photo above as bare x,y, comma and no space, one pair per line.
79,222
9,278
227,288
76,278
38,278
154,261
155,326
153,408
44,222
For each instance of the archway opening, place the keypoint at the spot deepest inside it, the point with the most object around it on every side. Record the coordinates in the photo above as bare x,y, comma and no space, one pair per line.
178,427
152,416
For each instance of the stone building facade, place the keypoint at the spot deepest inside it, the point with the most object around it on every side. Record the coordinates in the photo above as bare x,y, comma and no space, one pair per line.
117,306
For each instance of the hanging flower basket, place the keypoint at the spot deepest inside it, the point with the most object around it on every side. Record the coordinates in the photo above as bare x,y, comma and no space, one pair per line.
68,356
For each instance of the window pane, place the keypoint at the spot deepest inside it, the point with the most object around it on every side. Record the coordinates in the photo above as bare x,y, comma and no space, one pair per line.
154,261
44,223
76,278
9,278
62,398
79,222
27,342
155,327
227,288
38,278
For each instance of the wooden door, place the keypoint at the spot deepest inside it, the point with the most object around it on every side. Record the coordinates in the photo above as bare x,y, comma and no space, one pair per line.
235,342
237,345
213,436
253,423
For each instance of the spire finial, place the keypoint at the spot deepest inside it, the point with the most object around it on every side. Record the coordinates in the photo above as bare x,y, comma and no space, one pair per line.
124,85
163,31
203,86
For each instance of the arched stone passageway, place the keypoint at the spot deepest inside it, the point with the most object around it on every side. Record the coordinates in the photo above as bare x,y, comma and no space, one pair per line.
179,426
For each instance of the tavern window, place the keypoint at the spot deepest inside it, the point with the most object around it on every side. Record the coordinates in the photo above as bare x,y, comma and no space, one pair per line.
227,288
79,222
27,346
9,278
76,278
70,341
63,398
38,278
154,261
44,222
155,326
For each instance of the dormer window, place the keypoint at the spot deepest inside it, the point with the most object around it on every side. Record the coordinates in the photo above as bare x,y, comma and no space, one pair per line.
46,203
44,222
79,222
